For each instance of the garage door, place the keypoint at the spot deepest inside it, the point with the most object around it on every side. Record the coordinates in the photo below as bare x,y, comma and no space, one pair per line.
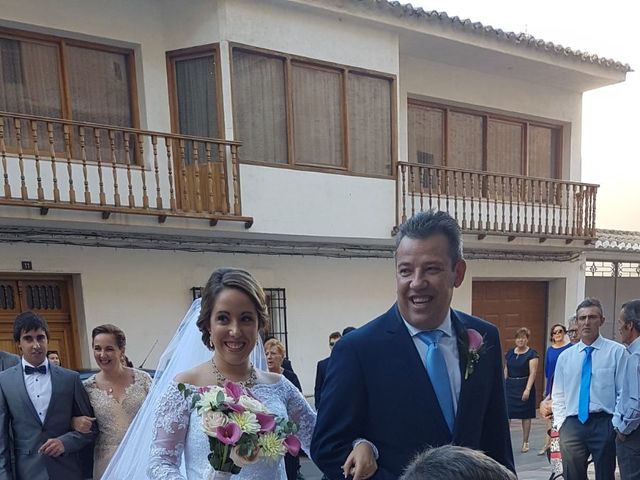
49,297
510,306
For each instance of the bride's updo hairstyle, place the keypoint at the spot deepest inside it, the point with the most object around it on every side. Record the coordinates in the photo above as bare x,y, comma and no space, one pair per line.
230,278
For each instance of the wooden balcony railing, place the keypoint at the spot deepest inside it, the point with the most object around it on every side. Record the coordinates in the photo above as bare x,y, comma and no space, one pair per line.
491,203
54,163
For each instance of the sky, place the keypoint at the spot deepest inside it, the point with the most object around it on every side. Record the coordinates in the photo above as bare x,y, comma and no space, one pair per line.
611,127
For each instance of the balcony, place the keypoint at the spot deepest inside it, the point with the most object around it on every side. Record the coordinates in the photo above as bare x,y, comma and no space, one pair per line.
496,204
51,163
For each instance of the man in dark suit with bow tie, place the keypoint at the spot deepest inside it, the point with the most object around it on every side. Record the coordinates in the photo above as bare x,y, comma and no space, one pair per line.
422,374
37,402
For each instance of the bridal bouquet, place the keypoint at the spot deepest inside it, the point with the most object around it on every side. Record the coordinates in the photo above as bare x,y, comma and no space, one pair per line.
239,427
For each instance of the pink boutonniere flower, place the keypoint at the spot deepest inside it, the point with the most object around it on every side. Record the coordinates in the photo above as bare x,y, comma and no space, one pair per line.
476,348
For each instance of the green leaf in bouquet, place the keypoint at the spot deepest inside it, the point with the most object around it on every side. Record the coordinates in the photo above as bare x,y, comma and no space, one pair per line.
220,397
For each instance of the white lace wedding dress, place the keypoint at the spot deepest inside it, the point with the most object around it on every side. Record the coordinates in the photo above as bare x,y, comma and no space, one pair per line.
177,429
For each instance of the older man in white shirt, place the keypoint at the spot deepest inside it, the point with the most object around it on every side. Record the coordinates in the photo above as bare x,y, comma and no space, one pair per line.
587,384
626,418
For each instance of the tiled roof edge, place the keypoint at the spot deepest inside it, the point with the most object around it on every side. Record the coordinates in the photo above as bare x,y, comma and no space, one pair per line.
523,39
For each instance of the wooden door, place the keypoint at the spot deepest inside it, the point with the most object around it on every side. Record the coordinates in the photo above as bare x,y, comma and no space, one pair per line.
510,306
49,297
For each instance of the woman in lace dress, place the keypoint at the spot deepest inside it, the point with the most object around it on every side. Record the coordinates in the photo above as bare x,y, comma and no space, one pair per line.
116,394
233,309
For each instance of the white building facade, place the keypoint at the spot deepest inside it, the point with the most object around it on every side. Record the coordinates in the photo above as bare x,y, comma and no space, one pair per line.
147,143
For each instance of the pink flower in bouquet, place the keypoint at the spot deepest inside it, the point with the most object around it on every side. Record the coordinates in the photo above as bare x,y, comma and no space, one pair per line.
475,340
292,445
267,422
236,407
229,434
202,390
233,390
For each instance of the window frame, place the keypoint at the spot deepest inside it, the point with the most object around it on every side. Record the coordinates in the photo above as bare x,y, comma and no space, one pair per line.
187,54
487,115
61,44
344,70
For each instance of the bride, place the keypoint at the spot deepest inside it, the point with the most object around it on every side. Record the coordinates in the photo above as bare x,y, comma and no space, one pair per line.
233,310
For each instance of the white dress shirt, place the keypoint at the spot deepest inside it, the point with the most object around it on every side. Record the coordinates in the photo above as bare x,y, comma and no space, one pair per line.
39,388
448,345
606,379
626,419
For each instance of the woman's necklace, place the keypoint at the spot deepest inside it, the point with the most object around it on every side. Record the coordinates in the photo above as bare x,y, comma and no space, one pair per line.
249,382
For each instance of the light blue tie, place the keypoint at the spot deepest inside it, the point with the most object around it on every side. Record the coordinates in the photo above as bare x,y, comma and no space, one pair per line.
437,371
585,385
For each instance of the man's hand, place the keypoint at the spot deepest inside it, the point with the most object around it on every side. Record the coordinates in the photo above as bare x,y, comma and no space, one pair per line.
361,462
52,448
545,408
82,424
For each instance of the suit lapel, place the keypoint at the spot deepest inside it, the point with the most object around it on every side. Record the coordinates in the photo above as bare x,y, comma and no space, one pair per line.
463,355
56,386
462,340
22,389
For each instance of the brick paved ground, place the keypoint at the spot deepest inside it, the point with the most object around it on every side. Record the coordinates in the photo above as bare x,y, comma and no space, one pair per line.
529,465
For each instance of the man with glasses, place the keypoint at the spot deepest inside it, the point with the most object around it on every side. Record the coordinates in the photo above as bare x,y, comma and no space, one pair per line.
572,330
322,369
587,384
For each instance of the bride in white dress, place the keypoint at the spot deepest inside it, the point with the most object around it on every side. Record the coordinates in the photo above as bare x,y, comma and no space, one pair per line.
233,310
166,440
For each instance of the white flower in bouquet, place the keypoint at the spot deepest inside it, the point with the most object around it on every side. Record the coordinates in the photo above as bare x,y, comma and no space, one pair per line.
251,404
212,420
271,446
247,421
212,399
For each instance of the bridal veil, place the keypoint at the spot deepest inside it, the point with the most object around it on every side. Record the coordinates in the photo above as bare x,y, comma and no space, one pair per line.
185,351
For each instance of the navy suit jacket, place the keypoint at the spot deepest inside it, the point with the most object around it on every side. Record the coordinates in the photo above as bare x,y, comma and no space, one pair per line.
377,388
321,372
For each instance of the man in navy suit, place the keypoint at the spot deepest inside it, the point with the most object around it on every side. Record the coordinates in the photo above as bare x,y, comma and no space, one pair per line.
321,370
413,378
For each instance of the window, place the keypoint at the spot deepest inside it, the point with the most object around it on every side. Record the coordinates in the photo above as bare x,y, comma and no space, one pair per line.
276,300
482,142
277,307
196,99
66,79
294,111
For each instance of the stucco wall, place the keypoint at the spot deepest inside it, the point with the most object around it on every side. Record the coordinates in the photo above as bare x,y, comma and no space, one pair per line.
147,292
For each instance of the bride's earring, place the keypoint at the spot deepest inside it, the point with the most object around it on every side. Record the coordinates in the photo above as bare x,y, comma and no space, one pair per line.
210,340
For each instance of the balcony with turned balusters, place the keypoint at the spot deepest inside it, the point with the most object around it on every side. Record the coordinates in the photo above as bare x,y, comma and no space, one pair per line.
497,204
50,163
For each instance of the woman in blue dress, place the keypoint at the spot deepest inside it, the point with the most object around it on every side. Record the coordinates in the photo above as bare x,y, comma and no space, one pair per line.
520,374
559,343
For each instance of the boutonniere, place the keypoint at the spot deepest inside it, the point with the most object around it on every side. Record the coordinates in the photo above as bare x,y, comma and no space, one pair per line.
476,349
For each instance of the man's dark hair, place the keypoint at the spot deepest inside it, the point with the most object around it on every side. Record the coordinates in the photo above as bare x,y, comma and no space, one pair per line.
590,302
451,462
426,224
347,330
27,321
631,313
335,335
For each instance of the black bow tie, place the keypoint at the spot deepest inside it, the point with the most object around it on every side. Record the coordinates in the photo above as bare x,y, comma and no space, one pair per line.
31,370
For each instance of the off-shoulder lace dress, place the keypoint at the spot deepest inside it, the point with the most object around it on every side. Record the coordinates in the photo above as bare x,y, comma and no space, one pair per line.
177,430
113,416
